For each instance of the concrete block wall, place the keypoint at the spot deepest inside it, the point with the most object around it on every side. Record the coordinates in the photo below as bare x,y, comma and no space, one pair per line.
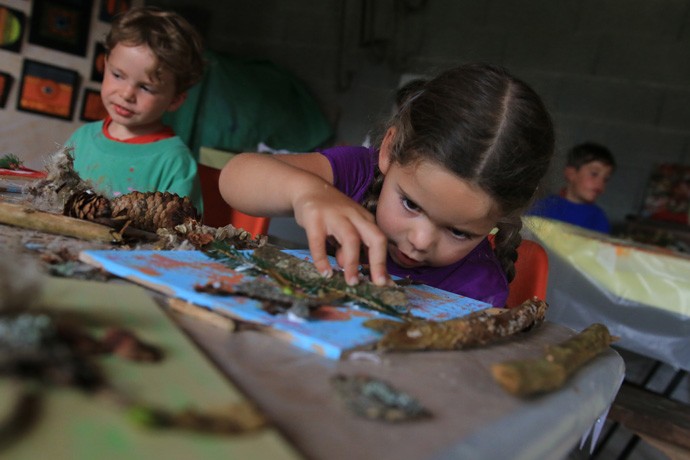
612,71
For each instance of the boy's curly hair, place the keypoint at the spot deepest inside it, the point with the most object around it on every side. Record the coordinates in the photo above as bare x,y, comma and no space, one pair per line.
173,40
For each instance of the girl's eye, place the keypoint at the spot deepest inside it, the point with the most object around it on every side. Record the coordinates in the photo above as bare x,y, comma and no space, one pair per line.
409,204
115,74
148,89
459,234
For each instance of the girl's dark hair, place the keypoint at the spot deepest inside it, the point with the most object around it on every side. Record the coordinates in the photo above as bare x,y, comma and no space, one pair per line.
175,42
487,127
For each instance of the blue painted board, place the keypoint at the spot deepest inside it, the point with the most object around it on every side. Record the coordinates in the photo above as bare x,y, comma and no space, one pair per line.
333,331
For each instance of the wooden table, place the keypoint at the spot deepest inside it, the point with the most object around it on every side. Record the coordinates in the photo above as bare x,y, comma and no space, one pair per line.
473,416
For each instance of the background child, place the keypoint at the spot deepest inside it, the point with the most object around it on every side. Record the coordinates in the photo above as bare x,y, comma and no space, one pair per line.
588,169
152,58
462,156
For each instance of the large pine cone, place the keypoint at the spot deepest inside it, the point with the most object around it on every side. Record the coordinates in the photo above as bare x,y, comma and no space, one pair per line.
87,205
153,210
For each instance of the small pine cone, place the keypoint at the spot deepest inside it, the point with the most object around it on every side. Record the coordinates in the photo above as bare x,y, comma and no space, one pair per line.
87,205
153,210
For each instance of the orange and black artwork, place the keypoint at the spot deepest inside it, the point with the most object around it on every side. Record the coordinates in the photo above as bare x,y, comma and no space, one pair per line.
47,89
5,86
61,24
92,108
111,8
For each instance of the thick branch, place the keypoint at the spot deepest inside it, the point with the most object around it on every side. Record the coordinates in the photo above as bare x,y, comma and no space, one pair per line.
531,376
478,328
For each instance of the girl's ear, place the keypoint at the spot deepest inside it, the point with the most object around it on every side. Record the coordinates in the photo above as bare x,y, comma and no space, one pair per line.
177,101
385,152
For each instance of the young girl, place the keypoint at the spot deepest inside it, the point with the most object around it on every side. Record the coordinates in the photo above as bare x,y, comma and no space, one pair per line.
462,157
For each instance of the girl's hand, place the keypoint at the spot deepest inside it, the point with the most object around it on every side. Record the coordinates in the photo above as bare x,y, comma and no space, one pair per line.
328,215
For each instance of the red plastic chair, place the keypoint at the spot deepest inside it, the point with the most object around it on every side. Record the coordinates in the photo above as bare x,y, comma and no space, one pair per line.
217,213
531,273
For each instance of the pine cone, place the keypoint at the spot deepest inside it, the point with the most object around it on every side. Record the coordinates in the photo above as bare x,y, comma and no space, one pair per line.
153,210
88,205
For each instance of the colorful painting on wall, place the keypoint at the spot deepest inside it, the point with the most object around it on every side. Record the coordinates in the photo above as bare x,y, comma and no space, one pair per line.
111,8
668,194
92,108
12,26
98,63
61,24
47,89
5,86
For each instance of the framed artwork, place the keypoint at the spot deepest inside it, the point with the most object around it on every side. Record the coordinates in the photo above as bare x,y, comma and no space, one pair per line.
47,89
12,26
98,63
61,24
668,194
111,8
5,86
92,108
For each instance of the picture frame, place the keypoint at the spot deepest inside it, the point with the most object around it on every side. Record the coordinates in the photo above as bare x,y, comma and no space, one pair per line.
47,89
111,8
92,108
12,27
5,87
62,25
98,62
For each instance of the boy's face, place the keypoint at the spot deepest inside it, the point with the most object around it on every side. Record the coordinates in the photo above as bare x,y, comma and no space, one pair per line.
133,97
584,185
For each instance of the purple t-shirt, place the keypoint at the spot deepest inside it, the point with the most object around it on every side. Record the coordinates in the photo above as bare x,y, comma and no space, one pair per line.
478,275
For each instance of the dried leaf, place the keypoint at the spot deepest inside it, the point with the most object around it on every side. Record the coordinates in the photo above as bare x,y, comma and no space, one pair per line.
375,399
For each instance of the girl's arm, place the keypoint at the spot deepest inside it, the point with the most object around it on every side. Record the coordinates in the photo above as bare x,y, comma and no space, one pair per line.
301,185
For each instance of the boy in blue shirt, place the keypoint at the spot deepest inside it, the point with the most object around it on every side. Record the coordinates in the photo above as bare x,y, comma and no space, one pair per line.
588,169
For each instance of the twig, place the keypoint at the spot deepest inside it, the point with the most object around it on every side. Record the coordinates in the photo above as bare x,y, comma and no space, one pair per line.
56,224
531,376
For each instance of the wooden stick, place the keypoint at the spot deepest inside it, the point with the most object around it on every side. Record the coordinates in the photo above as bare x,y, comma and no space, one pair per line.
531,376
202,313
26,217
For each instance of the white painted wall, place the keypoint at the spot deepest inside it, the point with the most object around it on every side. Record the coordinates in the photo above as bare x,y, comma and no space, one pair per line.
31,136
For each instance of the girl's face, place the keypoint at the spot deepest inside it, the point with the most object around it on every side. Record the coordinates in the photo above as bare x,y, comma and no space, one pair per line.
133,98
430,216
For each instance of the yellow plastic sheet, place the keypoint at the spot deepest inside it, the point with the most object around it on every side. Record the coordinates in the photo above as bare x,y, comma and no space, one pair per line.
639,273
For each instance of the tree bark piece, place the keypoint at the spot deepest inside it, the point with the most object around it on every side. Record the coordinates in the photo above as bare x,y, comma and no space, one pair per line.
478,328
550,372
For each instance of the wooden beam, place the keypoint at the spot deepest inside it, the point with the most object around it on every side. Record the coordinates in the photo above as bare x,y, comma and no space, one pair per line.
650,414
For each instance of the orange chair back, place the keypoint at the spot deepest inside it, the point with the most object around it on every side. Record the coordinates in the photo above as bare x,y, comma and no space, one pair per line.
531,273
217,213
